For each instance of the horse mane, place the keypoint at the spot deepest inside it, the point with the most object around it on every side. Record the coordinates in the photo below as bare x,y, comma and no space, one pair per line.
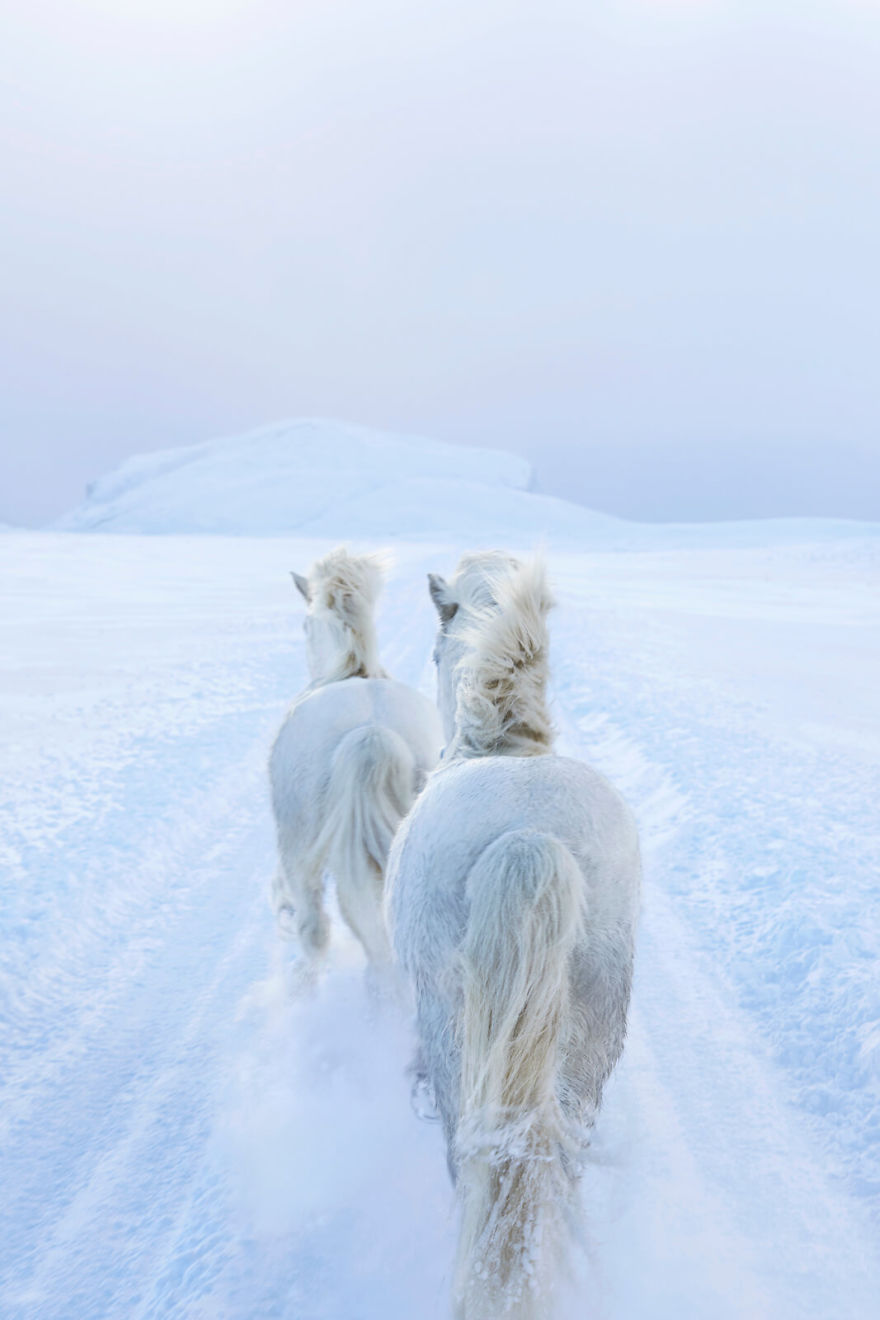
502,694
474,586
348,587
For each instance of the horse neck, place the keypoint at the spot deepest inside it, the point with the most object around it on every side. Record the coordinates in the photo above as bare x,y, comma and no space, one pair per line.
358,656
501,719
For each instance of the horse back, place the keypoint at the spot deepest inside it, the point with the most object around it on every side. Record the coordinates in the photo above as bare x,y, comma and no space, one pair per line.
316,724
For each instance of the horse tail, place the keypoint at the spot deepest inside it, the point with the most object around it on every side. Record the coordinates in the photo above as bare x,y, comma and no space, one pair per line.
370,790
526,895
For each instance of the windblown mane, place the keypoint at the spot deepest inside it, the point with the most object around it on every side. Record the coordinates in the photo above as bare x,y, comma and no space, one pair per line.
502,694
478,577
348,587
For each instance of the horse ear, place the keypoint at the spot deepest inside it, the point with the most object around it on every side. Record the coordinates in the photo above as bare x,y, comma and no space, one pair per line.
445,606
302,586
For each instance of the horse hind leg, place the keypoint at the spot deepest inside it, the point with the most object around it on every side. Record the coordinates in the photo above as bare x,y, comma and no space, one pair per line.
600,1000
359,893
298,899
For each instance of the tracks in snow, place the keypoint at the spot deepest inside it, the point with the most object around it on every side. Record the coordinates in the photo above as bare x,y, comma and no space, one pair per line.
180,1139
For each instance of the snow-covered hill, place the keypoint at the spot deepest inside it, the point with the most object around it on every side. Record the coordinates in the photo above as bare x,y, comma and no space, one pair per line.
298,476
180,1136
321,478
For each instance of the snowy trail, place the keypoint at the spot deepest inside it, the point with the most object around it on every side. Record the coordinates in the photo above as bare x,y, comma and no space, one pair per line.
181,1135
709,1180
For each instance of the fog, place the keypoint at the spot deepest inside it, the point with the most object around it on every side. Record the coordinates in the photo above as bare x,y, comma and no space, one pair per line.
635,241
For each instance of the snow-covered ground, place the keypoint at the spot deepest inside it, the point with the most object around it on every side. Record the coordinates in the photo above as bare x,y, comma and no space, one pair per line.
182,1135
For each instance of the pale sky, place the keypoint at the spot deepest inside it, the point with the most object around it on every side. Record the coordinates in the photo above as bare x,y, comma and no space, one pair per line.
634,240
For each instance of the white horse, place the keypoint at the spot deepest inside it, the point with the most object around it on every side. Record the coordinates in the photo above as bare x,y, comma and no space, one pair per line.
513,890
348,761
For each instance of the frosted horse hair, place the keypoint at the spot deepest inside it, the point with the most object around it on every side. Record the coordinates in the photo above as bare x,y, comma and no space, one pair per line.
513,892
347,763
